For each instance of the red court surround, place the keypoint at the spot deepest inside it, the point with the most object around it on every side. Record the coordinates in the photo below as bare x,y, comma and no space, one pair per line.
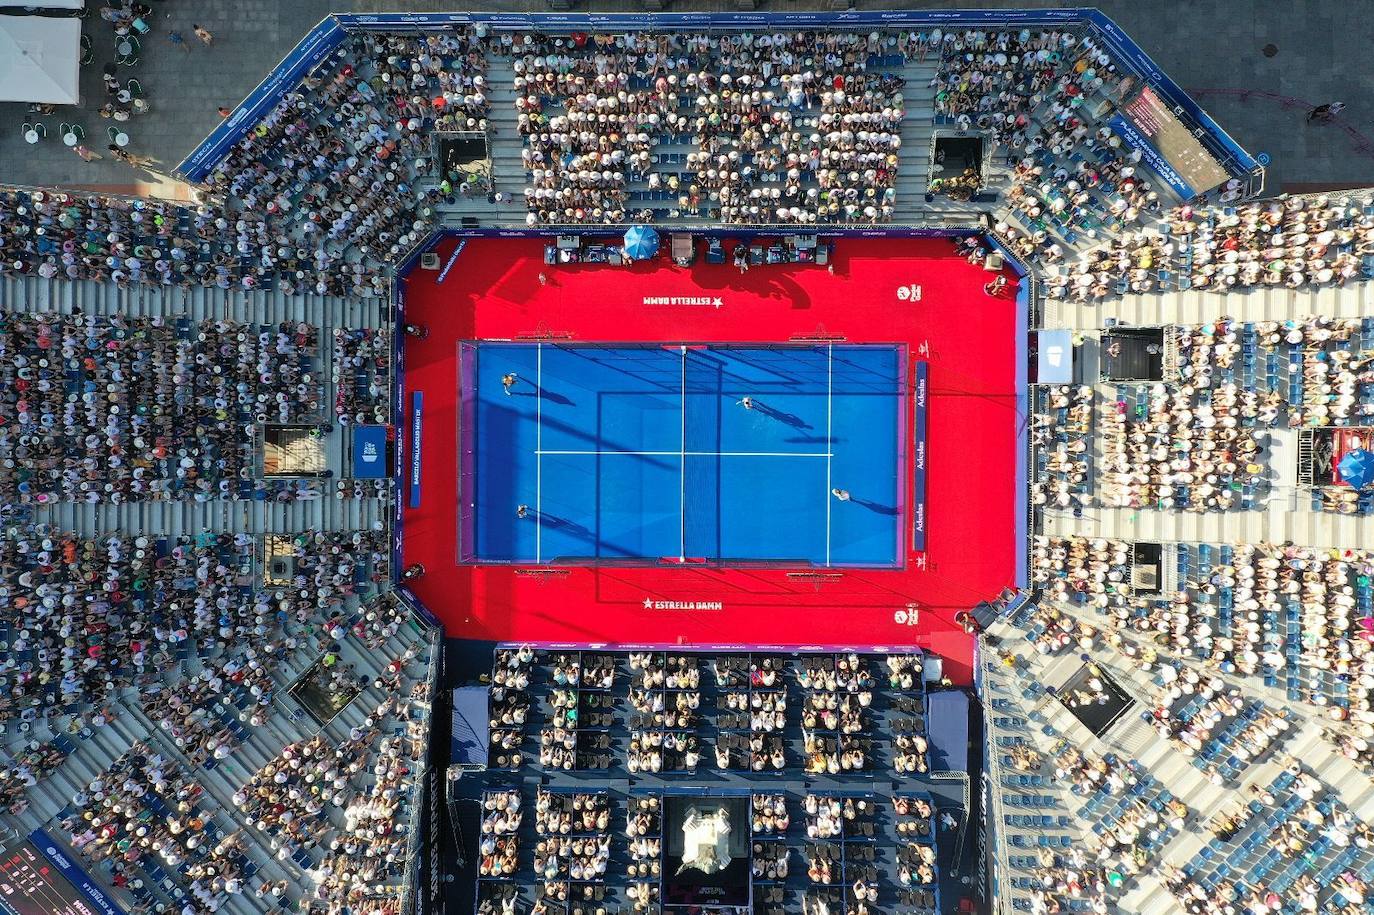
494,291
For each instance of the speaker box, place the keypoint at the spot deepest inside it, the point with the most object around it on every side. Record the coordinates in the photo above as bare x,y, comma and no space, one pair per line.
429,260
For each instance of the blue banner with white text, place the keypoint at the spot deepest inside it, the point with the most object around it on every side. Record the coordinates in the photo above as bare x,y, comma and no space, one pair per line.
417,403
369,452
918,462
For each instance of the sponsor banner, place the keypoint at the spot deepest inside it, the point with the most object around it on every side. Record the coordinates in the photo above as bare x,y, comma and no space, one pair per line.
1151,156
713,301
1135,60
452,259
369,452
74,874
417,402
651,604
918,461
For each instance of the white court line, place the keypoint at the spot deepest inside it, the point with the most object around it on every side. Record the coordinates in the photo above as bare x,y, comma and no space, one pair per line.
539,453
805,454
682,466
829,416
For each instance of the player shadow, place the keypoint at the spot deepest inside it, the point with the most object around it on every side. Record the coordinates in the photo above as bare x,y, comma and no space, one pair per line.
782,416
872,506
579,532
541,393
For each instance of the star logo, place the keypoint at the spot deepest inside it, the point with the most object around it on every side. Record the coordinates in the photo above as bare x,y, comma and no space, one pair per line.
648,603
717,301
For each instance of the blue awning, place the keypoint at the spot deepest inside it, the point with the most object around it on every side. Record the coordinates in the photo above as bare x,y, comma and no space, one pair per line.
470,737
1054,363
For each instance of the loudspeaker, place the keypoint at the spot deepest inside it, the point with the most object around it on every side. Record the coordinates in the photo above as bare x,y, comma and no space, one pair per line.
429,260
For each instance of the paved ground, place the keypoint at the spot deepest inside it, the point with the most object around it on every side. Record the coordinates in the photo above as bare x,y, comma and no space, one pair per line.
1208,46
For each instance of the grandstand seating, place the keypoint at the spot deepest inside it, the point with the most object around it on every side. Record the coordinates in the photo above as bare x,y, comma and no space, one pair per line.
212,696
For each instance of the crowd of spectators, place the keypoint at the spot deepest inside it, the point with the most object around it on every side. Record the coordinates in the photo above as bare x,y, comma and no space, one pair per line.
1061,432
1285,242
362,372
132,242
143,815
125,408
1295,821
333,171
795,127
1274,612
85,618
1182,446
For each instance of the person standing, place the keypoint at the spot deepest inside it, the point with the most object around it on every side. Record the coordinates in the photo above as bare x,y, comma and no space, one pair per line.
508,381
841,494
203,34
747,403
177,39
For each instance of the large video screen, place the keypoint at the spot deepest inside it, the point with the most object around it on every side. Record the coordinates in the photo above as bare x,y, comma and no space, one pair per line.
1175,142
31,885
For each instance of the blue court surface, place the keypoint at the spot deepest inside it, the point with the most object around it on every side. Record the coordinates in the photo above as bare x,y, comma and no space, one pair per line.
647,453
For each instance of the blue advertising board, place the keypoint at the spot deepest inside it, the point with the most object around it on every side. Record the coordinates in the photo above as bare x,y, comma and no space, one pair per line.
417,403
1132,137
74,873
918,461
369,452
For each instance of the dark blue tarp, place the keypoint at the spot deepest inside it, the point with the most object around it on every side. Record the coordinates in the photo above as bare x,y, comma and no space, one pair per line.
947,712
468,746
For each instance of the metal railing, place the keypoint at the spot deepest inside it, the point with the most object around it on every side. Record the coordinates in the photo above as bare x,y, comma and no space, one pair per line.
420,776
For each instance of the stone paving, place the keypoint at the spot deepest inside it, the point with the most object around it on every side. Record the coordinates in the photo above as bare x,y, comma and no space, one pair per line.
1205,45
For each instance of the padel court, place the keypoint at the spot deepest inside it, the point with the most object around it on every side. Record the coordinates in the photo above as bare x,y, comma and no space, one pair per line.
670,453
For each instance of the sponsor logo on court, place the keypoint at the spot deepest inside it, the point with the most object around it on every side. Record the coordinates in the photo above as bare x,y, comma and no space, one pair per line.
909,293
710,300
651,604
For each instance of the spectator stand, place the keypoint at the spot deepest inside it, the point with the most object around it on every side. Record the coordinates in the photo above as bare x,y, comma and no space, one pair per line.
639,681
329,37
232,707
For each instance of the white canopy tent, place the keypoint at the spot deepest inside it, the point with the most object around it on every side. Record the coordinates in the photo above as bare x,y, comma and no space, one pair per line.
40,59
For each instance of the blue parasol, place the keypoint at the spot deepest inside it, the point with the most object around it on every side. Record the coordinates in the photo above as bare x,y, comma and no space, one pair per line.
1357,468
641,243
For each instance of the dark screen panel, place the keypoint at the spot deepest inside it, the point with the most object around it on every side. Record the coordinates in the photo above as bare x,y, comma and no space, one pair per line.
30,885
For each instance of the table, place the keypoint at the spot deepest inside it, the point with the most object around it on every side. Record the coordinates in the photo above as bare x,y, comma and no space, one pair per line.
69,138
121,139
125,48
31,136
